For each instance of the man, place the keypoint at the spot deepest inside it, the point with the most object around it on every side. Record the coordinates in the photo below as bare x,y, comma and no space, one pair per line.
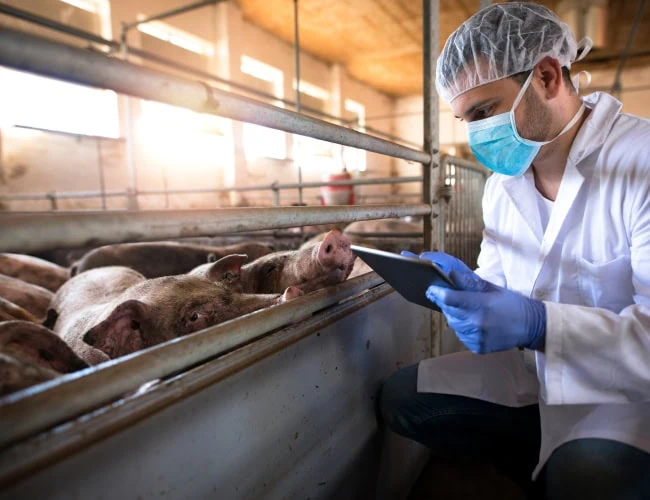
564,272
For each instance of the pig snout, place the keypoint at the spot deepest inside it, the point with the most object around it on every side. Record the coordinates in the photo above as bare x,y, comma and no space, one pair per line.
289,294
334,251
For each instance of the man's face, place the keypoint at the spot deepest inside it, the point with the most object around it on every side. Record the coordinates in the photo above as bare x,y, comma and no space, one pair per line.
533,116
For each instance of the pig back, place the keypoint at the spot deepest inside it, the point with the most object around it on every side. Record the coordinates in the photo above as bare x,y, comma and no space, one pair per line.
33,270
32,298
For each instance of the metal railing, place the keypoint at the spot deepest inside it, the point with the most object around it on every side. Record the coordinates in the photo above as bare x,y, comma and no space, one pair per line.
32,411
465,182
274,188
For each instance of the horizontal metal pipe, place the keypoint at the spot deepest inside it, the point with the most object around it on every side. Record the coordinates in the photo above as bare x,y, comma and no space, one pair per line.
48,58
259,187
27,457
32,411
40,232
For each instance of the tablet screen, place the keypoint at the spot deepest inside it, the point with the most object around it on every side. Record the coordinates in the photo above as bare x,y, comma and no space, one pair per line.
410,276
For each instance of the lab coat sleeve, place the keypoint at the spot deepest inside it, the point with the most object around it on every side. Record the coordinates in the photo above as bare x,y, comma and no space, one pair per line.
594,355
489,259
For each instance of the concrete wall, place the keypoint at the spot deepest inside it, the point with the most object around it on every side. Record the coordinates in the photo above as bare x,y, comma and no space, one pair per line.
38,161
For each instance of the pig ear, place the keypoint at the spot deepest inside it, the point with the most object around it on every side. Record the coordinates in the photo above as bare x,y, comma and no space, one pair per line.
227,268
123,332
50,319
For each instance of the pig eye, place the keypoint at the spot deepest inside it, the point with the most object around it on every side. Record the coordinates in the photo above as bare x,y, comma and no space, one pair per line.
270,270
194,317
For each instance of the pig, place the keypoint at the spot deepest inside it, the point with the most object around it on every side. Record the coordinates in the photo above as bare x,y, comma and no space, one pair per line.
163,258
17,374
359,268
109,312
31,354
10,311
33,270
37,344
311,267
32,298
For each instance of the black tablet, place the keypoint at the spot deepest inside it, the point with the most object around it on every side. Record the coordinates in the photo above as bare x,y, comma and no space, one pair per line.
410,276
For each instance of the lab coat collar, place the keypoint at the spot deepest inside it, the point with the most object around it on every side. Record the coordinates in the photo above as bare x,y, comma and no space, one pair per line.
591,136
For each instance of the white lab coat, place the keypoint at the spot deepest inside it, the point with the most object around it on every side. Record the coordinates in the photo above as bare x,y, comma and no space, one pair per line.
591,267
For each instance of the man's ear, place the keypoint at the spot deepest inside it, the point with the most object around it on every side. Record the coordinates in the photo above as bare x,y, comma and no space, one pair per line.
548,73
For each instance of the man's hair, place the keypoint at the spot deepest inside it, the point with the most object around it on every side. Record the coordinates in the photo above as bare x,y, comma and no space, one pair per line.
520,78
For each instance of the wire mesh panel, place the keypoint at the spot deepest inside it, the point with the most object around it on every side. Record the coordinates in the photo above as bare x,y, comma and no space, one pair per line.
464,217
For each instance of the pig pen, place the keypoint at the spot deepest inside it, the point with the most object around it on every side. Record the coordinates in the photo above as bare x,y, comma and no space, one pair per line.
275,404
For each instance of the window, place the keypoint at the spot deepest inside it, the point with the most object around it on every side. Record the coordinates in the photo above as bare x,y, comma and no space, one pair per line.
355,159
261,141
177,135
175,36
34,101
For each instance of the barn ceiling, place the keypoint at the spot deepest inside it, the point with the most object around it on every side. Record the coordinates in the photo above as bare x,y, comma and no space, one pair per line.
380,41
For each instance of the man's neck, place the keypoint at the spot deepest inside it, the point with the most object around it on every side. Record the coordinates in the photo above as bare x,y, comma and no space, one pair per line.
550,163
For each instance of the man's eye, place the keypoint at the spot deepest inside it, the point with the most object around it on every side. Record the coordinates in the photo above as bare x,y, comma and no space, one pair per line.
482,114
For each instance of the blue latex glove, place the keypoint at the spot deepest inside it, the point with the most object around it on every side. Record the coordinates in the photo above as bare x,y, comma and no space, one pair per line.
489,318
445,261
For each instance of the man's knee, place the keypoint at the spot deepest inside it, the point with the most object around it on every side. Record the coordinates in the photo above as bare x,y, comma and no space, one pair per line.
597,469
398,397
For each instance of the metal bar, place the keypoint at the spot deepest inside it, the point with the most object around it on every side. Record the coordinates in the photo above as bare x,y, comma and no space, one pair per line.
38,55
261,187
170,13
100,164
28,233
296,45
27,457
430,10
616,86
22,414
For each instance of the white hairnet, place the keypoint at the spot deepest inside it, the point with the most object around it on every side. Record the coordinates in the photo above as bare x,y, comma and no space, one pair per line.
500,41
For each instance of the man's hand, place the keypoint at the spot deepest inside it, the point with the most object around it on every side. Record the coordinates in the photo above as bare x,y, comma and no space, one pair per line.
489,318
444,261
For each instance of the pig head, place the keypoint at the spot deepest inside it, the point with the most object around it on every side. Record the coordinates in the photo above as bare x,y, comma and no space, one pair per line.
313,266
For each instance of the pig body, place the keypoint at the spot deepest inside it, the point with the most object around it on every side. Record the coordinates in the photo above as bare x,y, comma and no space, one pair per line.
33,270
31,354
32,298
10,311
164,258
311,267
128,318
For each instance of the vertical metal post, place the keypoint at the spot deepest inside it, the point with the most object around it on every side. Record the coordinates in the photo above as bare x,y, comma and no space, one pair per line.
52,197
431,172
132,202
276,194
297,56
100,165
432,175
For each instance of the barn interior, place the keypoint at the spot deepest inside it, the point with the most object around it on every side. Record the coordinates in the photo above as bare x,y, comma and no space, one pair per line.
223,122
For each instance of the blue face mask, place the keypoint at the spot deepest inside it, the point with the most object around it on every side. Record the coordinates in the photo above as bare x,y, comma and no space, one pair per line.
496,143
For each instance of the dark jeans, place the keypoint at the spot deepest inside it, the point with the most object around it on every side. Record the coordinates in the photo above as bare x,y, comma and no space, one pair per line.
466,429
